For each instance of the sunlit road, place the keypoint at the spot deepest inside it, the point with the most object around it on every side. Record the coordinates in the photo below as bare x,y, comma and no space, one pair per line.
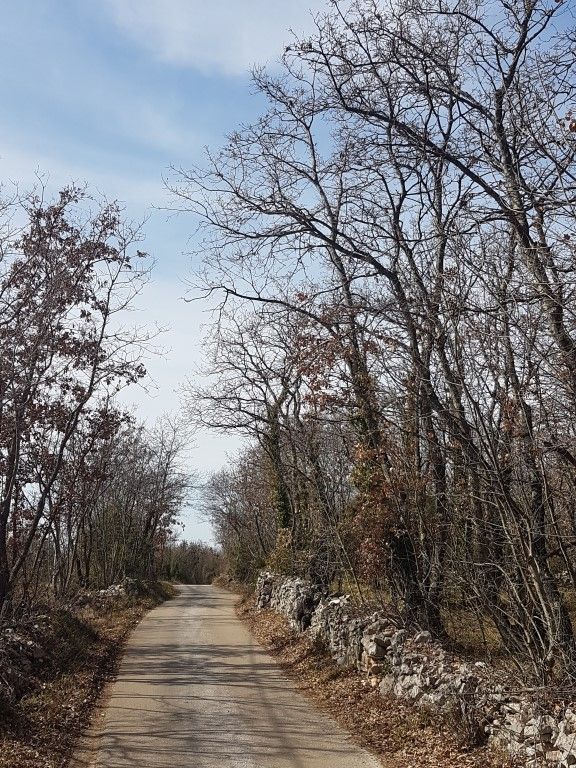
196,690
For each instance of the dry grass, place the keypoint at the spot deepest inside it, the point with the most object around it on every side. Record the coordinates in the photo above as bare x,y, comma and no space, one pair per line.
401,734
471,636
82,649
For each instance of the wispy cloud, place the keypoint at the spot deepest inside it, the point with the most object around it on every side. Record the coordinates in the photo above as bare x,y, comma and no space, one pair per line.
226,36
26,169
83,105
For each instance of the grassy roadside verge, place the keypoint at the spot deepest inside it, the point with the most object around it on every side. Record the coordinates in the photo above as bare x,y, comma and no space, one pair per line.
76,652
399,733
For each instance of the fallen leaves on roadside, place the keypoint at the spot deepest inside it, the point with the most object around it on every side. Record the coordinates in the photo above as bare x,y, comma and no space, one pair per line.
401,734
41,730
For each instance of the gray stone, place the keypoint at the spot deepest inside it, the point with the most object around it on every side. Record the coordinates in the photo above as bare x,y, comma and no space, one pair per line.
373,647
414,667
387,685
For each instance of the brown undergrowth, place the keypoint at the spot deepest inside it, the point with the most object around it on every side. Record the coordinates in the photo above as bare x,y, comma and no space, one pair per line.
78,649
401,734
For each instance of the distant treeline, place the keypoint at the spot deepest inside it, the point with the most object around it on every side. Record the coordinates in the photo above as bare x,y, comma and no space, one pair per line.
190,562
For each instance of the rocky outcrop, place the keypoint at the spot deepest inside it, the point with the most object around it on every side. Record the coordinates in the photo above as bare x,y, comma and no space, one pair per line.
413,666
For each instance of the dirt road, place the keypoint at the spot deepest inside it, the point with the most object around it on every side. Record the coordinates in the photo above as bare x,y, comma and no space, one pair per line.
196,690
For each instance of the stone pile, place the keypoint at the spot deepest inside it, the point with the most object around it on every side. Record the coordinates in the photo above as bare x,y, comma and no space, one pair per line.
25,648
412,666
20,654
100,598
296,599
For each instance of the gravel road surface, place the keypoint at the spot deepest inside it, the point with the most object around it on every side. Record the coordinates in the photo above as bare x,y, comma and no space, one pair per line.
196,690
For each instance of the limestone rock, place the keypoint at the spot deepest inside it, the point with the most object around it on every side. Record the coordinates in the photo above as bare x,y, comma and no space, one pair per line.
413,666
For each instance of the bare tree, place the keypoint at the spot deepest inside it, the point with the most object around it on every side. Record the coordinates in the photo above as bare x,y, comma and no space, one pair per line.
408,195
64,281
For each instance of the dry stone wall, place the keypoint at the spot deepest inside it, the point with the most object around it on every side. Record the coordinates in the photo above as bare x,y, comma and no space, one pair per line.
412,666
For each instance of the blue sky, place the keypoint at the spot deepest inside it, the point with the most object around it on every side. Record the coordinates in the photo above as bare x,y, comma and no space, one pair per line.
115,92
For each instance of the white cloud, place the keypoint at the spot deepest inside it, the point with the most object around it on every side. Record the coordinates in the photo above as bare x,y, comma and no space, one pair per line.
25,168
223,35
183,323
158,130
